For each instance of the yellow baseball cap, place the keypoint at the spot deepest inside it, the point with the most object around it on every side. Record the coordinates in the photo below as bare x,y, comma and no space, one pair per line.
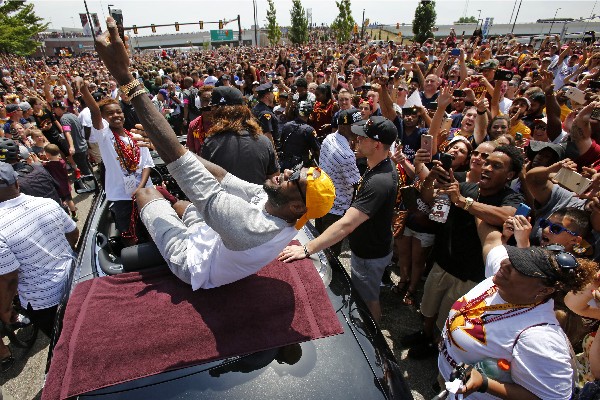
320,194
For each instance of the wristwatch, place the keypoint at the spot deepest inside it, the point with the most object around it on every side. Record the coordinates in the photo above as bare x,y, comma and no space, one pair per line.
468,202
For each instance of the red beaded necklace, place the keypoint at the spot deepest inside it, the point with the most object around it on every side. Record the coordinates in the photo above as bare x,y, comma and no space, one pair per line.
469,308
129,154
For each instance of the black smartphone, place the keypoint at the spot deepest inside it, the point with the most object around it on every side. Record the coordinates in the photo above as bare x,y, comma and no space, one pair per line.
594,85
446,160
458,93
118,17
503,75
409,111
432,106
595,114
276,81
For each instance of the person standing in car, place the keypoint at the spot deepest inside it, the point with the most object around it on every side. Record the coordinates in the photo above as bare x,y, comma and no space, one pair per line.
127,165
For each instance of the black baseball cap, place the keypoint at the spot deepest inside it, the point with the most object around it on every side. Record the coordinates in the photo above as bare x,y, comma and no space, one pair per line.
532,261
265,88
349,117
59,104
377,128
226,96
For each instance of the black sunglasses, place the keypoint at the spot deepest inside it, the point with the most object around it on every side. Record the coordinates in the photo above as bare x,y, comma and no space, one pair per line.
481,154
295,177
564,259
555,228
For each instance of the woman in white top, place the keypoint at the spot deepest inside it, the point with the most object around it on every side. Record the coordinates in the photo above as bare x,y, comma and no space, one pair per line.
510,317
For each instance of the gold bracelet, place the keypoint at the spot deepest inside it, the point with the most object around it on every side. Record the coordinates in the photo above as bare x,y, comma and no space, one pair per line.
130,86
141,91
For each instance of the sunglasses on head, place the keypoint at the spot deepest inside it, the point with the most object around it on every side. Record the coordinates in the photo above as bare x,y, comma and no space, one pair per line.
565,260
481,154
555,228
295,177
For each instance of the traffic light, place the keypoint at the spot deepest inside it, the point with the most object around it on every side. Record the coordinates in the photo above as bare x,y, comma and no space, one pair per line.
397,25
355,29
135,29
201,23
220,24
177,26
153,28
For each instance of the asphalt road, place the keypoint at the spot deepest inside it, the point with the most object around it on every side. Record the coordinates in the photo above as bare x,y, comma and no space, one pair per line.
25,380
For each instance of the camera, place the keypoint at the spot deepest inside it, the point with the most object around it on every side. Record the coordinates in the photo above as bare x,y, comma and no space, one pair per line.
503,75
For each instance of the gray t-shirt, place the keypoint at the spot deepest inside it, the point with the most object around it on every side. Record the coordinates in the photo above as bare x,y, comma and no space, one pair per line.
77,133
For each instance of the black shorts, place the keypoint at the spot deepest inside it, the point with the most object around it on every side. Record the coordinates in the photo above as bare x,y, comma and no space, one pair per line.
122,214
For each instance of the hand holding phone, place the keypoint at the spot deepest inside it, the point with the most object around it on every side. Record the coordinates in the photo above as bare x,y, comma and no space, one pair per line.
523,210
427,143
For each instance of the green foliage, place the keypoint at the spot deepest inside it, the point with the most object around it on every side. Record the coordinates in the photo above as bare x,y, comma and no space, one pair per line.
424,21
466,20
298,32
344,23
18,24
273,30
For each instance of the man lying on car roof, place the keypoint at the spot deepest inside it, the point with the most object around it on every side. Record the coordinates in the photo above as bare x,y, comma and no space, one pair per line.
232,228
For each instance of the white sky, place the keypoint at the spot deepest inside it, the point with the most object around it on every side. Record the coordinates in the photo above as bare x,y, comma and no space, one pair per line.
65,13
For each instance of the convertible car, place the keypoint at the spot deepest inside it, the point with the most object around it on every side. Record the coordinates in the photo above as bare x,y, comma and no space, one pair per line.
354,362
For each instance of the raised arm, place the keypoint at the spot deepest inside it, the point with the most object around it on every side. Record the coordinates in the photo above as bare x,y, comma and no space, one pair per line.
444,100
82,87
65,83
112,51
385,101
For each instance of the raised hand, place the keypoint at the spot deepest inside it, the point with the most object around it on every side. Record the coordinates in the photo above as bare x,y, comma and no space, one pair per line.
113,53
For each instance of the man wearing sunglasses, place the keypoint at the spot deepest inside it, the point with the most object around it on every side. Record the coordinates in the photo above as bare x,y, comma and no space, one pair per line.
232,228
367,222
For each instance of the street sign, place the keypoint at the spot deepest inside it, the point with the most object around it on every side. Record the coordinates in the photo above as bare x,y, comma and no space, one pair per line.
219,35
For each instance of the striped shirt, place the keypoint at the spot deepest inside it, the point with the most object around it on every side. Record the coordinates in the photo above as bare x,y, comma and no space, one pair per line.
339,162
32,241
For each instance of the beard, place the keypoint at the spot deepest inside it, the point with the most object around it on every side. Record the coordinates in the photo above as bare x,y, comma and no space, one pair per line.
275,195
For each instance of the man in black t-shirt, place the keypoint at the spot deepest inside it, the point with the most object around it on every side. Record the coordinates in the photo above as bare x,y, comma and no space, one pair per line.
368,221
459,264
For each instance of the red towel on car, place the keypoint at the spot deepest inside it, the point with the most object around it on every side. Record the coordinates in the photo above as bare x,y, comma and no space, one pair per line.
133,325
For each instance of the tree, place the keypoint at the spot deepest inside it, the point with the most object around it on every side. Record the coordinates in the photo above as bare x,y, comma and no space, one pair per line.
273,30
424,21
344,23
467,20
298,32
18,26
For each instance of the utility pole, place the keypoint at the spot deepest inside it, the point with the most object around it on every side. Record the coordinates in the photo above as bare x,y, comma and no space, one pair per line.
239,30
362,27
516,16
553,19
255,25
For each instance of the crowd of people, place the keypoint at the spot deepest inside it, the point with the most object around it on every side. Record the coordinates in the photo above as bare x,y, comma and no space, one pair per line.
470,163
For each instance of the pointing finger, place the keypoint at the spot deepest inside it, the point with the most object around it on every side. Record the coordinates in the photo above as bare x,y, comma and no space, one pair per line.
112,30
